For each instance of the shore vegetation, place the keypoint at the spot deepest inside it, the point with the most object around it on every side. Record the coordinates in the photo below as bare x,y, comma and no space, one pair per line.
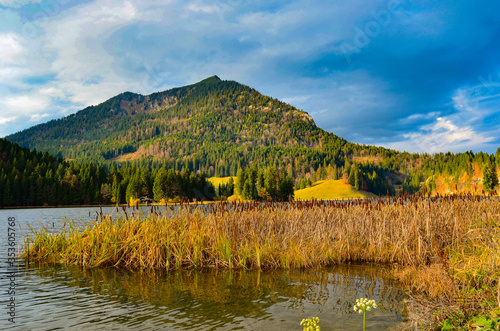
444,251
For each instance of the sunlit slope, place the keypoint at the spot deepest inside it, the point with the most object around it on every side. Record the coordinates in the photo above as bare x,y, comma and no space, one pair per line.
220,180
330,190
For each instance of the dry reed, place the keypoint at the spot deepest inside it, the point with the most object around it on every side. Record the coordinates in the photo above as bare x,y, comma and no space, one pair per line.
444,246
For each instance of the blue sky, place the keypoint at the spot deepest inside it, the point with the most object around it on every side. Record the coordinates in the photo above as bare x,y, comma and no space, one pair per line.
421,76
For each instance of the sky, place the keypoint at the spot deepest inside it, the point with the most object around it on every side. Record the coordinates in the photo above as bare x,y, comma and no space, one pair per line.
415,75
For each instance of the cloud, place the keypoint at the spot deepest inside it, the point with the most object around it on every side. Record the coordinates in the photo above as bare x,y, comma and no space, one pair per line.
5,120
199,8
296,99
415,118
272,23
9,48
24,104
463,130
38,117
432,60
442,135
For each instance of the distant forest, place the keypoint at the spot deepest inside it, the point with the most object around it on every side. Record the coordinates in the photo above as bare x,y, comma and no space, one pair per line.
30,178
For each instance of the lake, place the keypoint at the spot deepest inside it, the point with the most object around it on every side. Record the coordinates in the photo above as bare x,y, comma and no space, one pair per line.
51,297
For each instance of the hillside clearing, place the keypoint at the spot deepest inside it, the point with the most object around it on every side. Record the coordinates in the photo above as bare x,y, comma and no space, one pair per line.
330,189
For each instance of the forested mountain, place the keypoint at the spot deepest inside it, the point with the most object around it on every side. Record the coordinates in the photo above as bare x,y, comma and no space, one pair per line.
213,126
217,127
31,178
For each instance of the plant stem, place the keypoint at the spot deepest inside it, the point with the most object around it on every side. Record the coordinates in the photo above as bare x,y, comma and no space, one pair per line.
364,316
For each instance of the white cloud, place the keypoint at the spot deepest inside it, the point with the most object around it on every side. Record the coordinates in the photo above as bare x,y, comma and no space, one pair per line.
74,45
272,23
78,41
12,74
9,47
457,132
205,9
296,99
5,120
52,92
420,117
24,104
442,136
38,117
473,102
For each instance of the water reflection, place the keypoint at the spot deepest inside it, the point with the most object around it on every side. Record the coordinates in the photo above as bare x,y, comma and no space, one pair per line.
52,297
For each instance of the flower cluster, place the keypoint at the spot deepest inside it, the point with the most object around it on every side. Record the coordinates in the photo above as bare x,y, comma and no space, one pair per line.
363,305
310,324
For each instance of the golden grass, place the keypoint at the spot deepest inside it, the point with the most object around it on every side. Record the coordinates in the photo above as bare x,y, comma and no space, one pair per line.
216,181
446,248
330,190
223,180
300,234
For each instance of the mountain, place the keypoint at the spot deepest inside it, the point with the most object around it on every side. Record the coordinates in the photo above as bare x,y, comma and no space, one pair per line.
214,123
217,127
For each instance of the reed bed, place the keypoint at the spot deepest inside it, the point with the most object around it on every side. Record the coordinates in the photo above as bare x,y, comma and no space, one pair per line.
442,247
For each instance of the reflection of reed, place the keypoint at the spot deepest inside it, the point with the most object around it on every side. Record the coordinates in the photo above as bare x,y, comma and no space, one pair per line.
345,283
232,294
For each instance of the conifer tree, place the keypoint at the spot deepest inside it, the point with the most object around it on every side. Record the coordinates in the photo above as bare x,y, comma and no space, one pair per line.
240,181
230,186
158,184
490,178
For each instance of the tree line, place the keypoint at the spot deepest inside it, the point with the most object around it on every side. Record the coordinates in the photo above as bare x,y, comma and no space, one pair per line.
31,178
265,184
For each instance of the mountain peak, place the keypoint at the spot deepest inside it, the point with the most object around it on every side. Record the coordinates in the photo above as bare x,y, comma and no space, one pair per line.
211,80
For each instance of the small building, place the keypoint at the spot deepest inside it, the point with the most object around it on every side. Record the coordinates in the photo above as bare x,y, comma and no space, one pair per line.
147,200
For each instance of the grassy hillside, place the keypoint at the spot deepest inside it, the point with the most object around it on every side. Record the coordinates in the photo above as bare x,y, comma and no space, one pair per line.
330,190
219,180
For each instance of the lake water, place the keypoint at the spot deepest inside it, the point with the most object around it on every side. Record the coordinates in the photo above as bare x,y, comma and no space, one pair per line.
67,297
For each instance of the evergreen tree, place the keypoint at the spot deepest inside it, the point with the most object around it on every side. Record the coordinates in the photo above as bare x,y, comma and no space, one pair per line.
335,173
352,176
490,178
230,186
240,181
286,188
246,192
8,197
497,156
116,189
270,181
159,184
